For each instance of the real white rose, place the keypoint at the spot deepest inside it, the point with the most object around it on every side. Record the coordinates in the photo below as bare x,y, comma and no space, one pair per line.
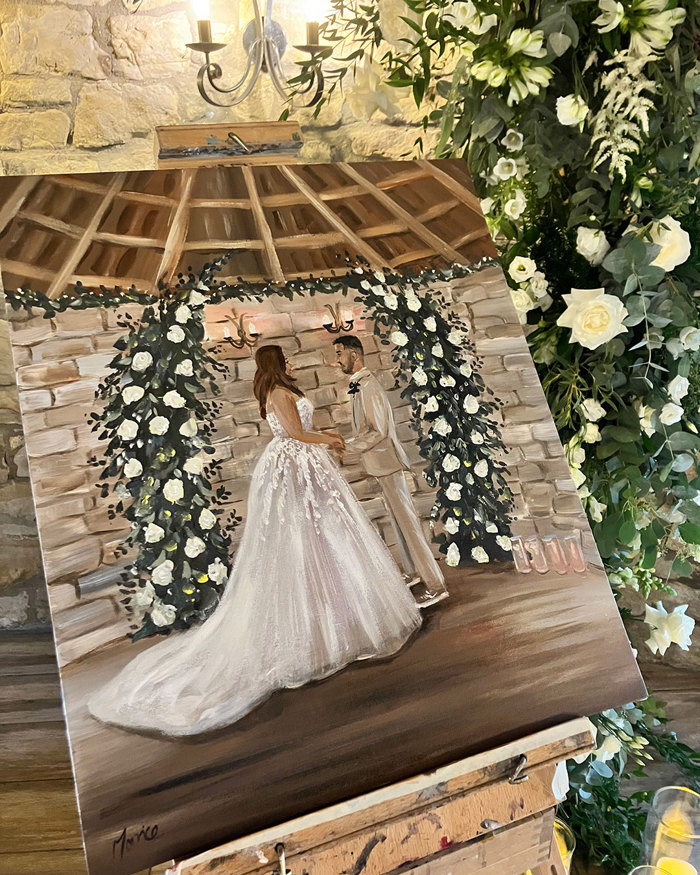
158,425
217,571
194,546
538,284
420,378
173,399
675,347
173,490
593,316
454,491
141,361
207,520
184,369
515,206
430,323
593,410
479,554
512,140
690,338
133,468
522,268
592,244
128,430
471,404
175,334
674,242
188,428
523,301
183,314
194,465
591,434
481,469
162,614
451,525
447,381
431,405
437,351
645,418
162,574
441,426
678,388
668,628
571,110
504,168
450,463
670,414
398,338
453,556
132,394
391,301
153,533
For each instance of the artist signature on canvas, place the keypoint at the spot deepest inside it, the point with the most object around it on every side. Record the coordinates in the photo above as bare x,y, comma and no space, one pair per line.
126,841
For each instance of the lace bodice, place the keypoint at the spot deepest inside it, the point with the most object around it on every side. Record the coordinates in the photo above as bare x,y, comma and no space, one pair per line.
306,414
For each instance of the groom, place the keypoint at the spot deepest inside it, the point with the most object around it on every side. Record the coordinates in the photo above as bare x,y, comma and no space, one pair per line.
375,439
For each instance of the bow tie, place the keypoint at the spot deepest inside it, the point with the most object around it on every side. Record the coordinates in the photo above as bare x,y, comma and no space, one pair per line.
354,388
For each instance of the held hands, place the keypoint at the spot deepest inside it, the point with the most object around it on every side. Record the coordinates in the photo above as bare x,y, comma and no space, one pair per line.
334,440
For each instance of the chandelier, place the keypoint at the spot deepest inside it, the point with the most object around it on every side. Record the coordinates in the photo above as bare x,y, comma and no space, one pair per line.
264,42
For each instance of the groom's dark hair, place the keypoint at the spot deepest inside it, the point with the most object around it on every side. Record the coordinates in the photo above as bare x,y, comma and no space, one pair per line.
349,341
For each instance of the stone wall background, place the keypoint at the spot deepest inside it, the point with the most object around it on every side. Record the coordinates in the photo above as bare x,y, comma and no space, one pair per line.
60,362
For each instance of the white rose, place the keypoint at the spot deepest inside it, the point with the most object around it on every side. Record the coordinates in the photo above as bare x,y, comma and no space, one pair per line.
593,316
133,468
128,430
413,303
158,425
431,405
173,399
455,337
670,414
451,525
592,244
504,543
183,314
523,302
678,388
486,205
512,140
398,338
538,284
447,381
675,347
454,491
175,334
476,437
471,405
645,418
571,110
207,520
481,469
504,168
450,463
667,629
184,369
593,410
141,361
217,571
391,301
153,533
162,574
173,490
430,323
521,268
437,351
453,556
591,434
197,299
132,394
142,596
441,426
420,378
194,546
690,338
194,465
515,206
479,554
674,242
162,614
465,369
188,428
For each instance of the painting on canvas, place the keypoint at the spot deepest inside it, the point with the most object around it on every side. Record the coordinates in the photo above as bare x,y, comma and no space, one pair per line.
306,523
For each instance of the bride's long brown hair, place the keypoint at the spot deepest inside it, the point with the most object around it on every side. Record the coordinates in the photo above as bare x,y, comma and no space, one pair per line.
271,372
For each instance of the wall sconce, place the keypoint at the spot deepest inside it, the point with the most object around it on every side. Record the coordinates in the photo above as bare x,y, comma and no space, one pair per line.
337,324
264,42
244,337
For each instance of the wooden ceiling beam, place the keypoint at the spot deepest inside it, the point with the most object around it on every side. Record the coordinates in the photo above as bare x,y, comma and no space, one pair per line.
14,202
451,184
272,262
177,233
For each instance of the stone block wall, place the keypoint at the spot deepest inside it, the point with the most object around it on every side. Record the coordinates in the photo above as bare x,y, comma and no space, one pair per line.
60,362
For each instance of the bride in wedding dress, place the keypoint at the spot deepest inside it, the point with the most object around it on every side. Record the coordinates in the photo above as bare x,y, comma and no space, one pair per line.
313,588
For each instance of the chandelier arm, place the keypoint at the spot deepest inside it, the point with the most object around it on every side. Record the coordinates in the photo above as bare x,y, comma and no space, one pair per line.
210,72
273,59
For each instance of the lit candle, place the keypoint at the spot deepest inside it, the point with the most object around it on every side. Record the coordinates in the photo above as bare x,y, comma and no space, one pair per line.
227,332
251,329
676,867
312,33
203,15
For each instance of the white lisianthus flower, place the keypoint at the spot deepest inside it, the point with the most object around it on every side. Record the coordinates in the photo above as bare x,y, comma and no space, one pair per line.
592,244
453,556
667,629
132,394
194,546
437,351
431,405
578,477
455,337
184,369
593,410
391,301
398,338
670,414
612,13
133,468
420,378
207,520
645,418
690,338
142,597
430,323
413,303
173,490
479,554
189,428
591,434
523,301
674,242
515,206
451,525
654,31
454,491
158,425
486,204
677,389
217,571
528,80
441,426
450,463
512,140
141,361
481,469
476,437
153,533
175,334
526,42
593,316
596,509
522,268
465,369
487,71
504,168
197,298
447,381
608,749
162,574
173,399
194,465
128,430
504,543
471,404
162,614
571,110
465,15
183,314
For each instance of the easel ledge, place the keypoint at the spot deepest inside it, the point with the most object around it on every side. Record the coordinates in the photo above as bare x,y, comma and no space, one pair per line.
473,807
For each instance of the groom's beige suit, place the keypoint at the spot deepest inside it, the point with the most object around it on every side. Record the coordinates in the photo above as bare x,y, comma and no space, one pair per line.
376,441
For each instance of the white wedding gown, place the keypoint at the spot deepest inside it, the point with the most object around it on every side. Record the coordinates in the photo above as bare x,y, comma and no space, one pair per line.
313,588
